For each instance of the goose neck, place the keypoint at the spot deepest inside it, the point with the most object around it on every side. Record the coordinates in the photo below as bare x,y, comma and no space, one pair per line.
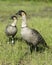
14,23
24,21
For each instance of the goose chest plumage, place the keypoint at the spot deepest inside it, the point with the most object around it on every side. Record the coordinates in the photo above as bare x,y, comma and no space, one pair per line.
11,30
29,36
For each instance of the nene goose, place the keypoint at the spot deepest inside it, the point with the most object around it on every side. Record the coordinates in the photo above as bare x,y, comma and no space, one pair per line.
11,29
31,36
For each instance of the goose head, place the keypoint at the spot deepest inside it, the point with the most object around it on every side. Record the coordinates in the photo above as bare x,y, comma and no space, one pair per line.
21,13
14,17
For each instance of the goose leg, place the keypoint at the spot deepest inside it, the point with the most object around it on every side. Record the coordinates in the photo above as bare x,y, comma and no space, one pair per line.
9,39
12,40
31,49
35,48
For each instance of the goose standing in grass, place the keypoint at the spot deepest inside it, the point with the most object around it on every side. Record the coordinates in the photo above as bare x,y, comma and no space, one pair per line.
11,29
31,36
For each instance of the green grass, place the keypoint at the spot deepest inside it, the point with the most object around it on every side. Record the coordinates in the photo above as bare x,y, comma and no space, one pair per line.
39,17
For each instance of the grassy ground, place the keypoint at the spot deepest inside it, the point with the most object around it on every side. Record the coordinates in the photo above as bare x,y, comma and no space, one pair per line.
39,17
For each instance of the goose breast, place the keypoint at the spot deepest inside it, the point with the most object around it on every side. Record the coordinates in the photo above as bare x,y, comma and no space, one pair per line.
29,36
11,30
